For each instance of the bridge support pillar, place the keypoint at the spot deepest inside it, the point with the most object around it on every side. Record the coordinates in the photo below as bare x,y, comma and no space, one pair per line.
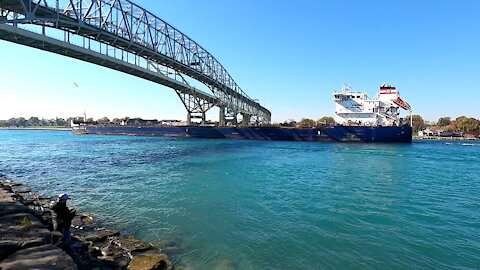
221,117
189,119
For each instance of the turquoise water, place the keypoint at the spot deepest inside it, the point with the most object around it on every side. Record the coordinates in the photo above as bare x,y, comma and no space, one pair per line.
239,204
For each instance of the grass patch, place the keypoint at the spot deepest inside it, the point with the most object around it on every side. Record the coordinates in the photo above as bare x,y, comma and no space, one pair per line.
25,222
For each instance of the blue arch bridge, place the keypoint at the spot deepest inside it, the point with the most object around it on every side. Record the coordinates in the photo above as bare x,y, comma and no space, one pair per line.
121,35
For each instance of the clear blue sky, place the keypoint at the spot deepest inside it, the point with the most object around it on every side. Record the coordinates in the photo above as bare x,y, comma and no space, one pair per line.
290,55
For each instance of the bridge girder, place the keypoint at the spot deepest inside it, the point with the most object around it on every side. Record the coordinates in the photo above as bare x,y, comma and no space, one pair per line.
125,26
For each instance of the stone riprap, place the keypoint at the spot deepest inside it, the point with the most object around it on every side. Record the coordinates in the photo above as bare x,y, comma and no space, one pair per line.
46,257
28,242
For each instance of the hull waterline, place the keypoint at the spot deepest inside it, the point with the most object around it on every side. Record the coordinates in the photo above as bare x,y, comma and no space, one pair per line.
323,134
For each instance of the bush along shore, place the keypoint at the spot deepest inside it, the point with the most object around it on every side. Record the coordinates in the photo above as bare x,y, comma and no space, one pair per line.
27,239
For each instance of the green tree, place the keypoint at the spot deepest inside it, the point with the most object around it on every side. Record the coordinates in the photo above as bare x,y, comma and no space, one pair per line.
103,120
463,123
12,122
60,122
326,120
45,122
117,120
455,125
33,121
444,121
418,123
21,122
307,123
471,124
289,123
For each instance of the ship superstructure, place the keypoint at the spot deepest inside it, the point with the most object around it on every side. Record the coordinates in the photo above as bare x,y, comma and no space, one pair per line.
356,108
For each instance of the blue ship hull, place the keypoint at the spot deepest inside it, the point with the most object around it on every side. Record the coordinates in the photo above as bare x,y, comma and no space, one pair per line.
323,134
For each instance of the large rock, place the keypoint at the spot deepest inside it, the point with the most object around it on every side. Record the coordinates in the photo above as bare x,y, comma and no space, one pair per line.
45,257
21,230
7,208
46,218
23,191
153,260
113,251
96,234
130,244
6,196
114,255
82,221
8,205
43,197
10,183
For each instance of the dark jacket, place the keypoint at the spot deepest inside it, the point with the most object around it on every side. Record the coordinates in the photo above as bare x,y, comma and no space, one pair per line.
62,220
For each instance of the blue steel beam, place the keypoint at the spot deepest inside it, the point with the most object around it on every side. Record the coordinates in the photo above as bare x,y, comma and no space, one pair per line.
126,26
24,37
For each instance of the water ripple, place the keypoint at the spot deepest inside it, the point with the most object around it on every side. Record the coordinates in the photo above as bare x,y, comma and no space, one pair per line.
225,204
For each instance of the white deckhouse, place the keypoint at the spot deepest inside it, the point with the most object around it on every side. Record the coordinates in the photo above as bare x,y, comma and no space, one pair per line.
355,108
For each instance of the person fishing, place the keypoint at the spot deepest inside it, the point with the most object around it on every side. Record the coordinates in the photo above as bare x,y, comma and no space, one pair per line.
62,219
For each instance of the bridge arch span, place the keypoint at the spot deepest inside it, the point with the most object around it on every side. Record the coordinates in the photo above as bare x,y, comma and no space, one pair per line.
123,36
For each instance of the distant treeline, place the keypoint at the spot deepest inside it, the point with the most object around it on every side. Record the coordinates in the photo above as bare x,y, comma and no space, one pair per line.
460,124
309,123
57,122
36,122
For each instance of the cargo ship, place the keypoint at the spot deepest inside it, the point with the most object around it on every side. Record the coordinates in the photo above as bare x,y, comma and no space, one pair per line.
358,119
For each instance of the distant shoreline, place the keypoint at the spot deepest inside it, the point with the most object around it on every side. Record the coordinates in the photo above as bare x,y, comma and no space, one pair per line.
444,138
38,128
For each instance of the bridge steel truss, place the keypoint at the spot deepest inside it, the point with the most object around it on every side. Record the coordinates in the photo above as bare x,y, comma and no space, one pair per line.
121,35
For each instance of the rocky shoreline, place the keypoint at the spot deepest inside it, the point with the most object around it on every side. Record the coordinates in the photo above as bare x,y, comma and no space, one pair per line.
27,239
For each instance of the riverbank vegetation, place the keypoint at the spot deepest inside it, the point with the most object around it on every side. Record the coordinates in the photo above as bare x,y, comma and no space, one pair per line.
21,122
309,123
460,124
37,123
